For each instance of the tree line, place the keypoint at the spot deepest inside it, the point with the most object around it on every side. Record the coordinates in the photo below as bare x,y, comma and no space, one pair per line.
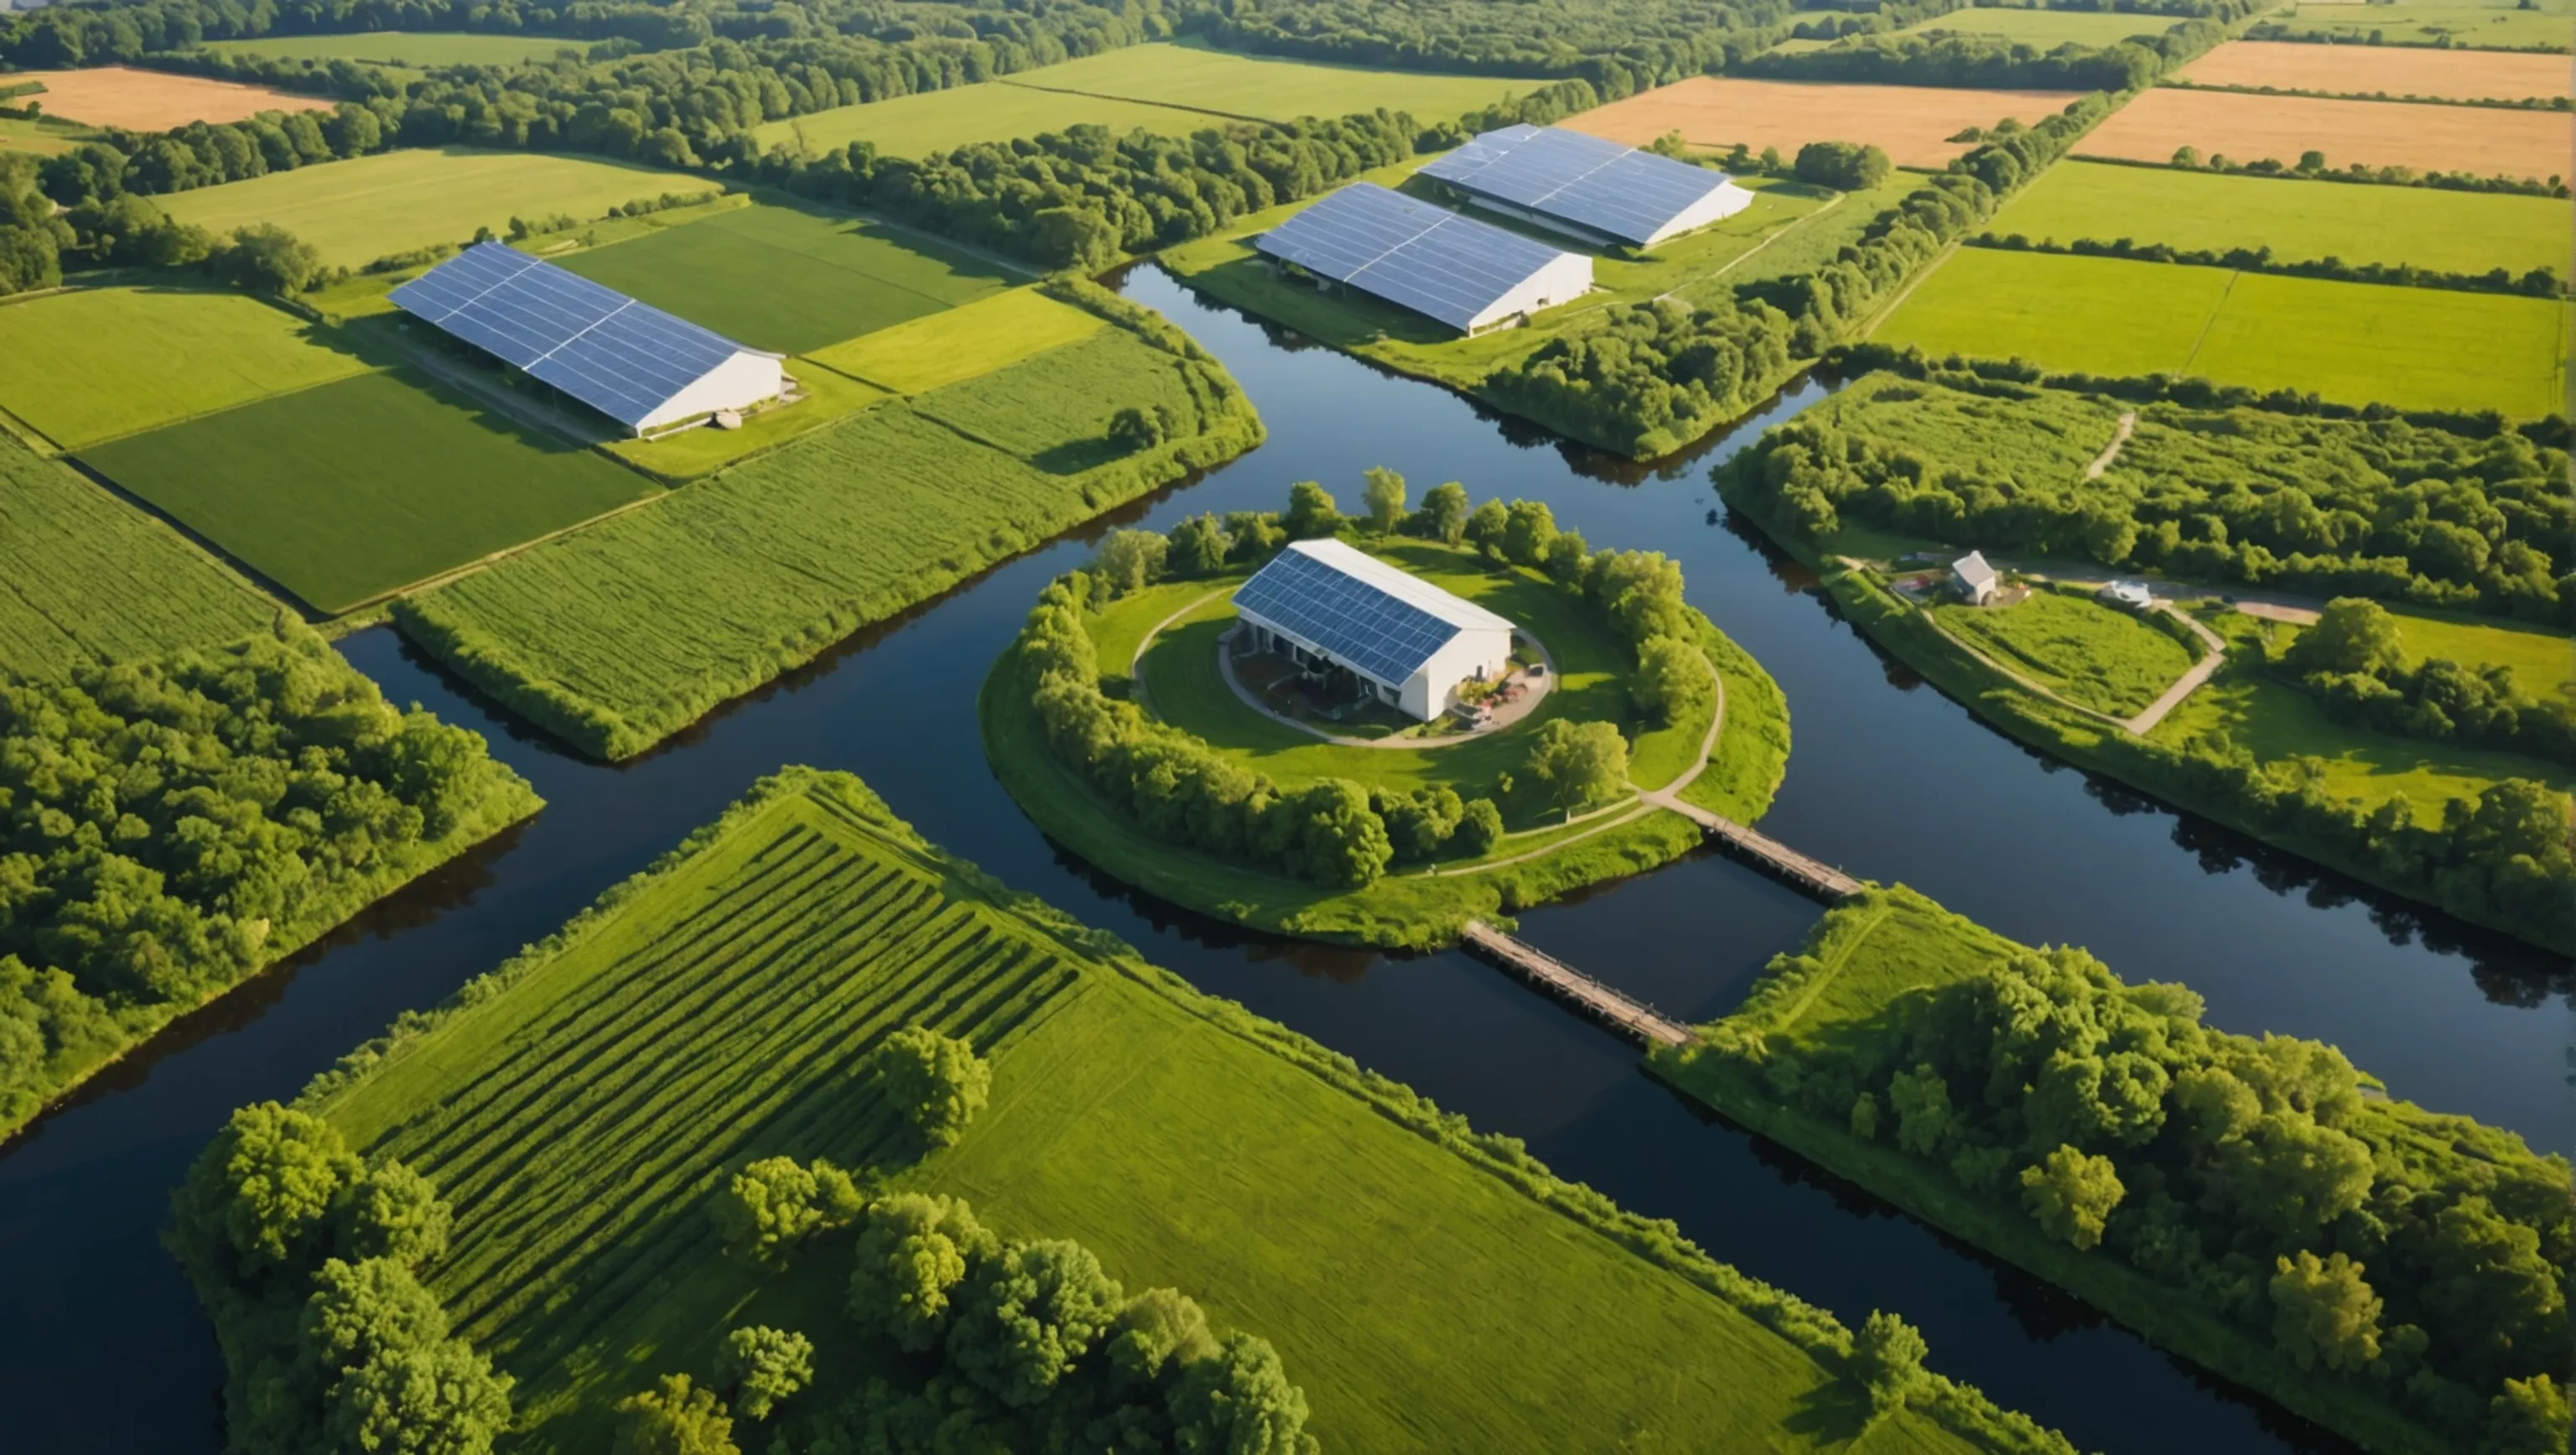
2354,661
2417,1258
1619,49
2541,282
1951,58
2189,159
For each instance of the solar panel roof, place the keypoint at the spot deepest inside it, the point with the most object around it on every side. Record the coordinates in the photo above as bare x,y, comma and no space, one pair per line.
620,357
1315,590
1617,191
1426,258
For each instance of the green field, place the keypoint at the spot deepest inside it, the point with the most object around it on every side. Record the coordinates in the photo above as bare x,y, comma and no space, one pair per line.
2543,661
619,635
2354,343
1423,1300
86,578
936,121
354,489
2092,655
789,278
394,202
43,135
2047,29
2452,232
416,50
2491,24
104,362
949,348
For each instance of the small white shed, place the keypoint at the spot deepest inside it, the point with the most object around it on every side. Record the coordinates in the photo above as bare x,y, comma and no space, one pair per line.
1976,581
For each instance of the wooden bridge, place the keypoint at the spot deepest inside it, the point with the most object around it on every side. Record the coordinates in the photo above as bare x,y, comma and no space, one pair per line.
1631,1018
1800,871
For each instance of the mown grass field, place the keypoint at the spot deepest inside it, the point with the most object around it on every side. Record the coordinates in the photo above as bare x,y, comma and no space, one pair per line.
344,492
2355,343
1423,1302
97,363
2455,232
86,578
2543,661
416,50
2489,23
2092,655
970,339
393,202
789,278
1195,76
43,135
620,634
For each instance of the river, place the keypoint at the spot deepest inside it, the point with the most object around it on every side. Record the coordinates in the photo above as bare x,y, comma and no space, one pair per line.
104,1348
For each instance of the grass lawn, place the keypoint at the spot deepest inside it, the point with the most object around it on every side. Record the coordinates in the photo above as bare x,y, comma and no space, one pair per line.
2094,655
2356,343
393,202
416,50
789,278
97,363
1194,75
2456,232
358,488
2543,661
990,333
2047,29
2496,24
1423,1301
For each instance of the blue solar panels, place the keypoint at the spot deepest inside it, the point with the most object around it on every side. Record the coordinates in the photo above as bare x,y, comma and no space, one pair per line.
1426,258
1600,186
620,357
1357,624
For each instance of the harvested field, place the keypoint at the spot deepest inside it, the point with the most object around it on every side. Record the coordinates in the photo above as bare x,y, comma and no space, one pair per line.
156,100
2475,139
2451,75
1910,122
117,361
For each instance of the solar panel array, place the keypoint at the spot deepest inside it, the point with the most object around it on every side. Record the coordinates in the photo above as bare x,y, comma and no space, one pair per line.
623,358
1356,623
1617,191
1426,258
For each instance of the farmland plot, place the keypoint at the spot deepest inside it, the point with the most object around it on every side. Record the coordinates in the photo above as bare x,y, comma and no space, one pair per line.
416,50
1194,76
2450,75
149,101
105,362
1911,122
2498,24
2481,140
1054,413
974,338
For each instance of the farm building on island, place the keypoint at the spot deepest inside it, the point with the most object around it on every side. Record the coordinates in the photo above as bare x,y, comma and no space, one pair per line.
630,361
1593,190
1461,272
1326,606
1977,581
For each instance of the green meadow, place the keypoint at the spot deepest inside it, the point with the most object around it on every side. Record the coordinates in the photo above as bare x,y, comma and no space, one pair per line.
1428,1289
937,121
117,361
2486,24
2047,29
2451,232
2093,655
416,50
2354,343
348,491
948,348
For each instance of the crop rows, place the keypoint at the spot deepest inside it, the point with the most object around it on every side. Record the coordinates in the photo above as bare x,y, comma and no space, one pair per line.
580,1159
1057,417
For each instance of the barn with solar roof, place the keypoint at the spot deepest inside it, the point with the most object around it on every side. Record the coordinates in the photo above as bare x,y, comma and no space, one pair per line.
1327,606
1595,191
644,368
1467,274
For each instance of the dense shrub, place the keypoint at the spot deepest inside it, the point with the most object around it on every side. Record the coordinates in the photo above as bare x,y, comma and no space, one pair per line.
936,1083
2354,662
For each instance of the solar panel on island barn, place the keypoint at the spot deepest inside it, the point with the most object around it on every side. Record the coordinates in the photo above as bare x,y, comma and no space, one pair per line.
1601,187
628,360
1462,272
1362,612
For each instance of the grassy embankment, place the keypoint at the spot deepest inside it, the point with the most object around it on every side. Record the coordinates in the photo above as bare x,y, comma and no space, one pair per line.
1867,968
1430,1289
1542,858
615,636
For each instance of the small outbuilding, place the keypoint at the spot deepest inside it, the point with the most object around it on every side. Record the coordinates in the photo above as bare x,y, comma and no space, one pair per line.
1975,581
1326,606
2132,594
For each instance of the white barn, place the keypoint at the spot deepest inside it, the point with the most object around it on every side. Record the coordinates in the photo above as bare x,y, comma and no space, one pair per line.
1322,603
1467,274
1601,193
1977,581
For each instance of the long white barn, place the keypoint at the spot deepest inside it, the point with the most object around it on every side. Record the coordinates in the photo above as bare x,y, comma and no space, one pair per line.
1325,603
1598,192
1467,274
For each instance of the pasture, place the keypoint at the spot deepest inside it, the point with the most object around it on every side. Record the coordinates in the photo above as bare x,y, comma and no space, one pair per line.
1193,76
104,362
2480,140
2046,29
2355,343
973,338
343,493
86,578
1465,1308
789,278
2455,232
357,211
415,50
2450,75
154,100
2543,661
2508,24
45,136
937,121
2093,655
1912,123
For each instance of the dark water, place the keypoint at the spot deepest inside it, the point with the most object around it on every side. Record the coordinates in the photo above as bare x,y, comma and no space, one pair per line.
102,1349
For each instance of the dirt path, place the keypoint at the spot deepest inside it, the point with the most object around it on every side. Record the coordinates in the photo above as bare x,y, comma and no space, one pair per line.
2189,682
2111,452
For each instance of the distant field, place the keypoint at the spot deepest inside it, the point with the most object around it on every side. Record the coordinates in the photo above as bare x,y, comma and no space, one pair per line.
93,364
155,100
2543,661
341,493
789,279
393,202
2459,232
2547,23
2458,75
2047,29
971,339
1197,77
415,49
42,135
87,578
2420,348
936,121
2482,140
1910,122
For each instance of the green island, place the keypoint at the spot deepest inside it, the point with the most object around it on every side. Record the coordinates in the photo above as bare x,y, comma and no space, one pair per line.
564,1223
1117,723
2256,1206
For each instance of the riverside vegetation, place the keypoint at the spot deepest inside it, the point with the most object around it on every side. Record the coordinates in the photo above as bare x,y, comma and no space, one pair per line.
2255,1205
